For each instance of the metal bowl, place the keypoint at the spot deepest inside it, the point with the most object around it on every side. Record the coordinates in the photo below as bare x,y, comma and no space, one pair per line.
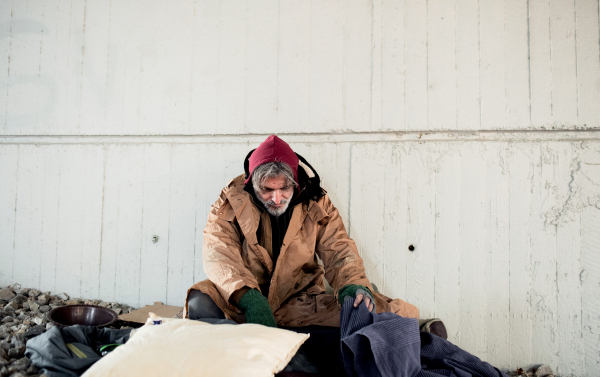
87,315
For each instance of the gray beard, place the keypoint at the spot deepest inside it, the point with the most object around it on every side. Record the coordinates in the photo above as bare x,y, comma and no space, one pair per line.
276,211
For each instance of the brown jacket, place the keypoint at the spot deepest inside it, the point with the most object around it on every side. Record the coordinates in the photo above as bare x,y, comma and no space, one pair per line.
233,258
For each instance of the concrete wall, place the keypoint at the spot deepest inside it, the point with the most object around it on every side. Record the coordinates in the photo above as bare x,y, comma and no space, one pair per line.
469,129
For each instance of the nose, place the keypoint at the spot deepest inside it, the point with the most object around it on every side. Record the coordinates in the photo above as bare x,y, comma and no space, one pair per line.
277,196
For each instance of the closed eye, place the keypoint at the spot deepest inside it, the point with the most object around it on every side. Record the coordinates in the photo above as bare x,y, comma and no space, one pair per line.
267,190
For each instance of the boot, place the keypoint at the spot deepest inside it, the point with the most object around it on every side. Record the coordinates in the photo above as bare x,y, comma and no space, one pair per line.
434,326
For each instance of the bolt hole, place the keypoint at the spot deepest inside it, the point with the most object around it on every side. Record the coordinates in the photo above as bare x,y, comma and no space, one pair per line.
411,248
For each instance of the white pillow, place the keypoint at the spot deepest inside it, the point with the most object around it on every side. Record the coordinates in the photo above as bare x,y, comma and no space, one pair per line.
184,347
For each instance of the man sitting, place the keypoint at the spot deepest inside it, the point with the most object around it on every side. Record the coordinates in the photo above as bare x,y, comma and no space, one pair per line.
262,245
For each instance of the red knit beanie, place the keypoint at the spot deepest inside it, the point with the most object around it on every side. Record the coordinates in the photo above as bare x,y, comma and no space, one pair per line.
270,150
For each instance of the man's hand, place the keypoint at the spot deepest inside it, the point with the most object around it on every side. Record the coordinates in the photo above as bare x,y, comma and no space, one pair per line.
256,309
367,300
359,293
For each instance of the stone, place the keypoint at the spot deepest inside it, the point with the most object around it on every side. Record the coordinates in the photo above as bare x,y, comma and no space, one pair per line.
3,354
7,319
8,311
520,372
4,371
23,361
6,294
104,304
4,345
43,299
34,306
543,371
17,352
7,314
19,299
3,335
32,370
44,309
17,341
40,321
34,331
22,291
72,302
15,287
12,305
33,293
118,311
49,325
62,296
17,370
4,362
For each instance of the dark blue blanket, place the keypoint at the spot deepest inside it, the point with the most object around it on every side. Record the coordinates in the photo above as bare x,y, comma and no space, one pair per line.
386,344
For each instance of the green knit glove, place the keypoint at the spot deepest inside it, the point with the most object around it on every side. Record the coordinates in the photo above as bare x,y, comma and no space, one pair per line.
353,290
256,309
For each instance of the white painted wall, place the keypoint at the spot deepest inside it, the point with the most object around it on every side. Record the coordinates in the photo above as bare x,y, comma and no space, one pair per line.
469,129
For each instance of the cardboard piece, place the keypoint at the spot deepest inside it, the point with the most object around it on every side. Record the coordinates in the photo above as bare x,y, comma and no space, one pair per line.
141,315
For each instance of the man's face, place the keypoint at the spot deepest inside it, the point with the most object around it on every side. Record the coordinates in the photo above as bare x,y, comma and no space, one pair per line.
275,194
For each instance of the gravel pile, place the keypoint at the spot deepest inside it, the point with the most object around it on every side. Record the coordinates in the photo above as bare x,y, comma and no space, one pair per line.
23,315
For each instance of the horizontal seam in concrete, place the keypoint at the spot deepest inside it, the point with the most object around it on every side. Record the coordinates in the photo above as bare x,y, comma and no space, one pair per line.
346,137
467,132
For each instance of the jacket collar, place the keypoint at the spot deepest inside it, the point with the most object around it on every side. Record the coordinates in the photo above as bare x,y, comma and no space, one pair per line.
248,213
248,217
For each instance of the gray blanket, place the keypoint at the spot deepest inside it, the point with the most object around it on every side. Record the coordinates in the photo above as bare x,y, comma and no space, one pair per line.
70,351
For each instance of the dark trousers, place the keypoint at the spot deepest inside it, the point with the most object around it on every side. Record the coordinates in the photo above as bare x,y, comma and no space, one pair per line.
322,348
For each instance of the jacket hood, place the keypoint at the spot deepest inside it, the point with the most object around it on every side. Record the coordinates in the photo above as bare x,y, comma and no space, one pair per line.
308,178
